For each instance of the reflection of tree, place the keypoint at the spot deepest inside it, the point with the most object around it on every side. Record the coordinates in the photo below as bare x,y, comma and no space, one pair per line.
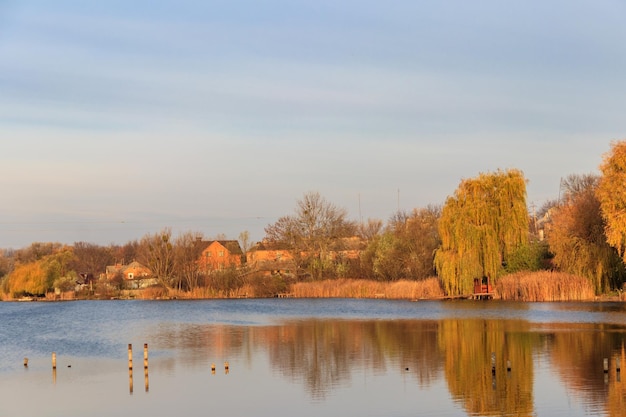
324,353
468,345
578,356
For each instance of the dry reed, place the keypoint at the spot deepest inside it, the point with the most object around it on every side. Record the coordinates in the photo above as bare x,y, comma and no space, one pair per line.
544,286
360,288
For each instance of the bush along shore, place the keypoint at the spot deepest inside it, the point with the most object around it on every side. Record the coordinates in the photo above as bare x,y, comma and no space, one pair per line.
543,286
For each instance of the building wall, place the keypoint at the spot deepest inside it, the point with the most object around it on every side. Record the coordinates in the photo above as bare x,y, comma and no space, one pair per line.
216,256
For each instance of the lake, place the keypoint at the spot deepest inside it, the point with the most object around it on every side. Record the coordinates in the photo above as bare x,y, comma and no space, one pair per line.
312,357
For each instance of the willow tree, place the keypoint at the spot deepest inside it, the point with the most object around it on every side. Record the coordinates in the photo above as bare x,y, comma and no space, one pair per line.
483,223
612,195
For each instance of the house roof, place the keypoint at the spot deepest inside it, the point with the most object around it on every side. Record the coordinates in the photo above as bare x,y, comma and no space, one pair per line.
232,245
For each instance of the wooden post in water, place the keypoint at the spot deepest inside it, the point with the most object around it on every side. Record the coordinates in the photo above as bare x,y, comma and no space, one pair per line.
130,356
145,379
213,368
54,360
25,362
226,368
605,365
508,366
145,356
493,363
130,380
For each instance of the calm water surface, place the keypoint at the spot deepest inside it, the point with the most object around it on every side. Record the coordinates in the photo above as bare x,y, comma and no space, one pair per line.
294,357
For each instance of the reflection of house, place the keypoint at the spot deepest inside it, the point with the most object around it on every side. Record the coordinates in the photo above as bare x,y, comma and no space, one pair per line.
220,254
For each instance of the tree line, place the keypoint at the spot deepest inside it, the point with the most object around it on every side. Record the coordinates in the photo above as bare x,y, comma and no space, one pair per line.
483,229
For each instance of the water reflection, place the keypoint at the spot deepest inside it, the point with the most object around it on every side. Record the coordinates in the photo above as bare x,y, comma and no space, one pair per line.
416,358
323,355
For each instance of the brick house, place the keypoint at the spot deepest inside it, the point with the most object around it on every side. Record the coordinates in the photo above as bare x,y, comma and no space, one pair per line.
270,258
220,254
133,270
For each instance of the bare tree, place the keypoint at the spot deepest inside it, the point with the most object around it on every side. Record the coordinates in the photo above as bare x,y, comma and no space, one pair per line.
157,253
91,259
244,241
370,229
186,254
316,227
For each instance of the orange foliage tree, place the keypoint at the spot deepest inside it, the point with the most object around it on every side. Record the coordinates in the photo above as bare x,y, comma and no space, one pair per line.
612,195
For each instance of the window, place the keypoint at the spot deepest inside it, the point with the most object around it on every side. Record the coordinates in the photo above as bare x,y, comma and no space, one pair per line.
221,253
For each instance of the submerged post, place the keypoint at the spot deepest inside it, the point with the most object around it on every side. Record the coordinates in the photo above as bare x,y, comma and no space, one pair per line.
493,363
130,356
146,382
54,360
145,356
508,366
606,365
25,362
130,380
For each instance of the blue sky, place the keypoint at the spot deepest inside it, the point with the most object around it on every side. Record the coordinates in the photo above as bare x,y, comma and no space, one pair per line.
120,118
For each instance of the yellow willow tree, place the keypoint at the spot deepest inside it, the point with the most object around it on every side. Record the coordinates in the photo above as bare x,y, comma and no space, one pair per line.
480,226
612,195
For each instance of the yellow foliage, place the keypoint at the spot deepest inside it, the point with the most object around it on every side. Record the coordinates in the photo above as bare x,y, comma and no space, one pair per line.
612,195
28,278
480,226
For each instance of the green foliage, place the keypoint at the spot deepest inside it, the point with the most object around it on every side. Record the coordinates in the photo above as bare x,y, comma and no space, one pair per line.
531,257
480,227
406,249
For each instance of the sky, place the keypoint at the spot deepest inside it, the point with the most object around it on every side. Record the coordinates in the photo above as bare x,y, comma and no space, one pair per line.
121,118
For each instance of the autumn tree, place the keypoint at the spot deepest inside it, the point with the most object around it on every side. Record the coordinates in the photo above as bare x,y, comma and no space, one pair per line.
157,253
484,222
316,228
577,235
40,273
612,196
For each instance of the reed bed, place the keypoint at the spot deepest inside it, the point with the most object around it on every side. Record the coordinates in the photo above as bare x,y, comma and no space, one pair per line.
359,288
544,286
